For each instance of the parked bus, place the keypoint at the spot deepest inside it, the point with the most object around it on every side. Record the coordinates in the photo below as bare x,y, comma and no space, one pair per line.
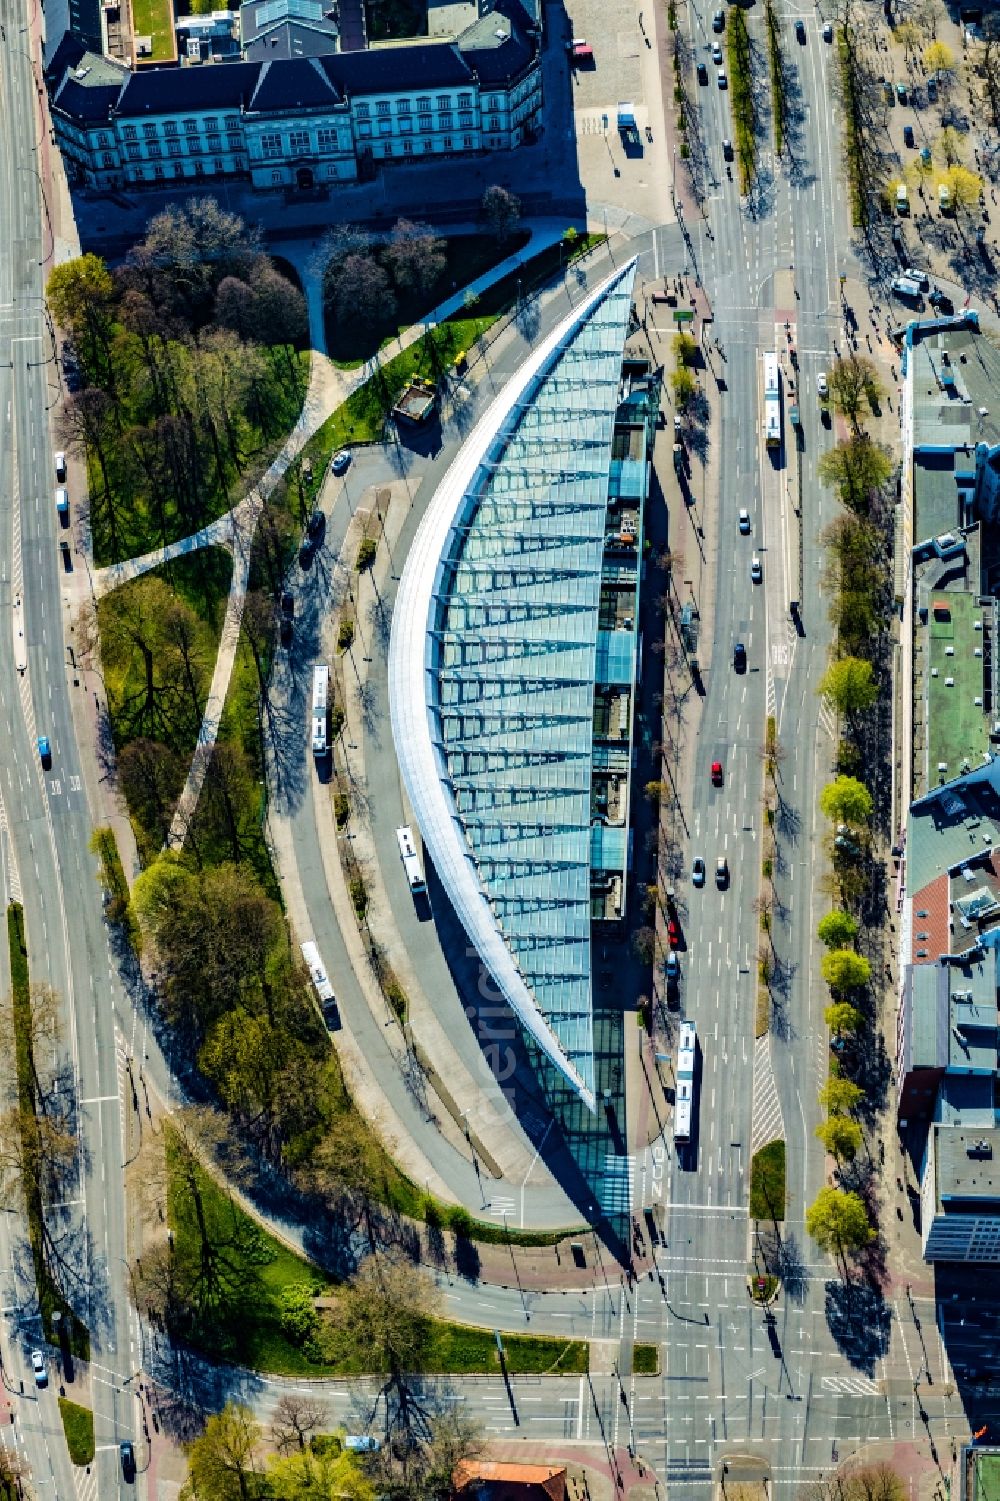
410,859
321,688
321,985
687,1052
772,401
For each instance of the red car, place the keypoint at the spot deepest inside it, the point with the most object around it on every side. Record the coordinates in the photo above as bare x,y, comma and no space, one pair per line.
673,934
716,773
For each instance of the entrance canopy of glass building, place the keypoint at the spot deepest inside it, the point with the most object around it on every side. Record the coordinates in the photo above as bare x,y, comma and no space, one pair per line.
492,670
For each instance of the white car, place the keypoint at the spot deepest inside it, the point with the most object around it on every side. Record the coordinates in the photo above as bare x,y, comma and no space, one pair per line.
822,384
723,80
744,521
61,467
716,53
697,871
39,1367
756,570
341,461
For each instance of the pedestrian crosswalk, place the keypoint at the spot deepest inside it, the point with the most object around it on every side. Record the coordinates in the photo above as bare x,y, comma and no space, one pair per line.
855,1386
615,1191
767,1121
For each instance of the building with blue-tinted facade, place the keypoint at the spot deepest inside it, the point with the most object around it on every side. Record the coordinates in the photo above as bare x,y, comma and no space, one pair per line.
513,663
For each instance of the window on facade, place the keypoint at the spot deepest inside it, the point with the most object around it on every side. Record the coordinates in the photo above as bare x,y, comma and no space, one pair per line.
447,143
275,176
363,111
271,145
467,142
157,171
129,132
104,139
465,120
199,169
494,122
385,127
298,141
326,138
387,149
178,170
109,160
132,151
232,122
331,170
191,126
444,101
149,131
139,174
170,128
493,102
175,148
407,148
234,143
365,129
427,145
406,125
220,165
444,121
215,143
423,103
382,107
425,122
465,101
154,149
402,106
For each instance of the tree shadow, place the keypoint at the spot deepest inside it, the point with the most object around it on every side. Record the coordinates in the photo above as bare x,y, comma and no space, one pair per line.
859,1321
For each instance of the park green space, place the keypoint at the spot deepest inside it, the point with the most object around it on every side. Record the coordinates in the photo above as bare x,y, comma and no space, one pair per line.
78,1425
767,1182
155,19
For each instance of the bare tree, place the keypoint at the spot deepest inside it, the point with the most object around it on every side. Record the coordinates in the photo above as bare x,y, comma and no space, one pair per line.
296,1418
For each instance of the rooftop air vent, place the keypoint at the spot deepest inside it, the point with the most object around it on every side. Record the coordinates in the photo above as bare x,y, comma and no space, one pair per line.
949,682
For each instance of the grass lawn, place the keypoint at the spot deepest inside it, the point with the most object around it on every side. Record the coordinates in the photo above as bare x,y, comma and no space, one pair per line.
767,1182
263,1267
78,1424
155,18
537,269
49,1296
466,258
646,1360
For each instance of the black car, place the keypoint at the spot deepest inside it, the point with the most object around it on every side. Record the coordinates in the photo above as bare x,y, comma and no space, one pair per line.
702,73
317,525
740,657
719,21
800,31
907,135
127,1455
287,605
941,301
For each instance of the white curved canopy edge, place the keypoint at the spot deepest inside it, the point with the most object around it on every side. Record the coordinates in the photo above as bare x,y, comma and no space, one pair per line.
413,696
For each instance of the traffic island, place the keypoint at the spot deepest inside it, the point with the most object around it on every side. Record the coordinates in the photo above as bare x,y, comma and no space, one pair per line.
767,1213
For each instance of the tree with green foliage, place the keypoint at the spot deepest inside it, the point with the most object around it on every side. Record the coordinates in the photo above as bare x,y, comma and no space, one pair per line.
938,57
80,294
223,1460
857,468
848,687
855,387
326,1473
299,1319
382,1320
841,1137
840,1096
685,349
683,385
964,186
837,929
419,1460
843,969
846,800
842,1018
838,1223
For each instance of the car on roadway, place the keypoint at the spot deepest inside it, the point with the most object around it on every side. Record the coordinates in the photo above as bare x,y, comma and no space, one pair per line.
44,751
932,89
39,1368
722,872
287,605
940,301
739,657
727,151
286,631
723,80
61,467
744,521
756,569
908,135
901,92
719,21
716,53
702,73
716,773
341,461
822,384
828,32
316,526
673,934
800,31
126,1454
697,871
672,967
921,278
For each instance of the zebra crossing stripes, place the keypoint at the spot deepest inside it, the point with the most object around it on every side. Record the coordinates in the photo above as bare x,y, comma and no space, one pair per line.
615,1192
767,1121
827,720
85,1483
855,1386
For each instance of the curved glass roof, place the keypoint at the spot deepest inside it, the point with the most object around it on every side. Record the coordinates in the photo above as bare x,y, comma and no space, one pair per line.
492,668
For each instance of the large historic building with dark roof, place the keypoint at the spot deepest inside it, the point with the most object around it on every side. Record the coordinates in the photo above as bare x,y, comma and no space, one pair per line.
298,122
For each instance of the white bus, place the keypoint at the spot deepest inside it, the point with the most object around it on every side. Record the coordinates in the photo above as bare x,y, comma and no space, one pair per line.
321,688
687,1051
410,858
772,401
317,973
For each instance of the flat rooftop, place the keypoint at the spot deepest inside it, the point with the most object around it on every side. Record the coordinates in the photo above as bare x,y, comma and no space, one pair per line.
950,827
956,691
968,1164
